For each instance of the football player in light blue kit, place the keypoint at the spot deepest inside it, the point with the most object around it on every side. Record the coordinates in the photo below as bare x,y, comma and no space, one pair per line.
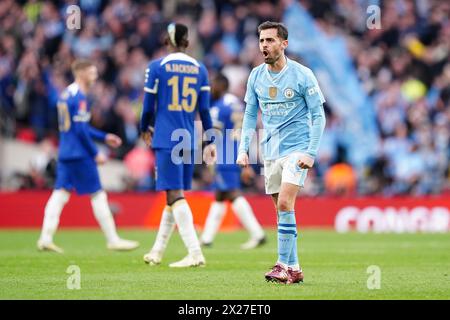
77,161
291,103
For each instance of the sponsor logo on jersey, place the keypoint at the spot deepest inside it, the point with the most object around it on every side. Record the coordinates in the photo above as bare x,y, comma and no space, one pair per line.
277,109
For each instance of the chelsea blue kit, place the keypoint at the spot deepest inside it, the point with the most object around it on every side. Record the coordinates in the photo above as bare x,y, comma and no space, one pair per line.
76,168
176,88
226,113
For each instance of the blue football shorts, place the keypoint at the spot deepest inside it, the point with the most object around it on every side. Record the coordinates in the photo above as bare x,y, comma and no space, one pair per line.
174,172
227,180
80,174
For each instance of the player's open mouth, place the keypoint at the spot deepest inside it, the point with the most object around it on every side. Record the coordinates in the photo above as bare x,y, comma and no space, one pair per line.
265,53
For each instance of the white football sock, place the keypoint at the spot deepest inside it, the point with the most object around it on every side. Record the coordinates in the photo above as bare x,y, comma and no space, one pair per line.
166,227
296,267
102,213
53,210
284,265
244,212
183,218
213,221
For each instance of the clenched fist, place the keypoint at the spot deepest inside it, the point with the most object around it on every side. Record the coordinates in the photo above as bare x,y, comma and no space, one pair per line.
242,159
305,161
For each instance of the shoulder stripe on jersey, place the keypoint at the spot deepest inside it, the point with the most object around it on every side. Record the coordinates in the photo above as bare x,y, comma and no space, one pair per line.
154,89
205,88
150,90
179,56
73,88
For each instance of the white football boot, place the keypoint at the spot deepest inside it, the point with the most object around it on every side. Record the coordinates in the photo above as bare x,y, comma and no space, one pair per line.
190,260
153,258
253,243
123,245
49,247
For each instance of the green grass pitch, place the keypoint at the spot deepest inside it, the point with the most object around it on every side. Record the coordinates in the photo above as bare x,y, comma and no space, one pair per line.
413,266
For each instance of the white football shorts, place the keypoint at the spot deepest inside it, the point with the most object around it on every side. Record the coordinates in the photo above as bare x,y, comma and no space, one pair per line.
284,169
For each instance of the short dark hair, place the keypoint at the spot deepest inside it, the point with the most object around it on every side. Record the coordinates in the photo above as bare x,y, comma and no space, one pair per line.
177,35
282,31
81,64
222,79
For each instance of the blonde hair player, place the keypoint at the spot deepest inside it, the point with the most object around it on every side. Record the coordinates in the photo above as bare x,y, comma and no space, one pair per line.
77,161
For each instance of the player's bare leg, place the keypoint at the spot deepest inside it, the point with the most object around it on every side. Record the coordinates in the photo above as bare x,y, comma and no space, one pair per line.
166,227
183,218
102,213
287,269
53,209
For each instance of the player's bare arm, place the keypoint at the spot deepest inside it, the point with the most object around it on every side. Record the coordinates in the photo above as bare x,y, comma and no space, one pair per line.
242,159
147,136
101,158
113,140
210,154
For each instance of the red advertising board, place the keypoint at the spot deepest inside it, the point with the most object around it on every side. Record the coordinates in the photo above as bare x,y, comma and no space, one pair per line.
25,209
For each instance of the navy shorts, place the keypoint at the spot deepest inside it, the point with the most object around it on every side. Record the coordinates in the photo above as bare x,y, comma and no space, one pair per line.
228,180
80,174
174,173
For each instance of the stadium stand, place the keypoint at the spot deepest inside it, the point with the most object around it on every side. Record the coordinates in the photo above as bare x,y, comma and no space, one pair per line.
403,68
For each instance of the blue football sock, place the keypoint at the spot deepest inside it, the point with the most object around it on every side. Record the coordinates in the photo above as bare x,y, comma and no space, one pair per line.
287,235
293,257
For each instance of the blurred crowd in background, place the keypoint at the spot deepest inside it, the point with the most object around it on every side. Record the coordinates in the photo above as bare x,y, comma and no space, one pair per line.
404,66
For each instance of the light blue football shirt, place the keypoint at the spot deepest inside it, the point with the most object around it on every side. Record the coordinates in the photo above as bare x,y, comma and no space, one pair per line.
291,104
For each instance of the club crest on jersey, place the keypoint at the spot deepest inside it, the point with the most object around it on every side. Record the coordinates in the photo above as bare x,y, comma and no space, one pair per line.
273,92
289,93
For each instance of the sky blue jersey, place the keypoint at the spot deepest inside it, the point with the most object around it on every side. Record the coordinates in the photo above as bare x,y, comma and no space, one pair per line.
75,133
176,86
226,114
291,104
